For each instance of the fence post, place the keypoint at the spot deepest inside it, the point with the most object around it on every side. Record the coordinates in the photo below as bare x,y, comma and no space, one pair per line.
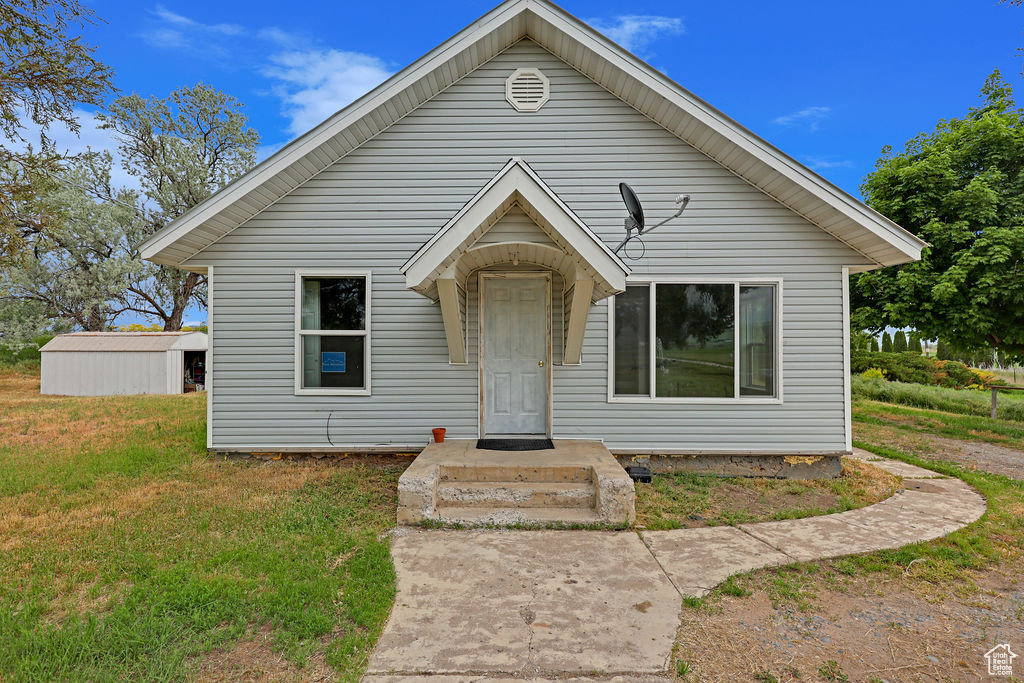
995,393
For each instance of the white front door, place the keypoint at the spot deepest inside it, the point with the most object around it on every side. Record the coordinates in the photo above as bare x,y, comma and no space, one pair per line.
514,354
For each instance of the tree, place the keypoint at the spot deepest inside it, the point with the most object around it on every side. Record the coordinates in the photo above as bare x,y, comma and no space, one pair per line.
874,345
75,269
182,149
960,188
45,71
899,341
83,267
915,343
886,342
942,350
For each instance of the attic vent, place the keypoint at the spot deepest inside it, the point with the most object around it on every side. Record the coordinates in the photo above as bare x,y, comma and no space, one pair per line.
527,89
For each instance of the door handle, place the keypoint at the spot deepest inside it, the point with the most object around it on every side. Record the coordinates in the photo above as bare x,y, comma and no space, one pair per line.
540,364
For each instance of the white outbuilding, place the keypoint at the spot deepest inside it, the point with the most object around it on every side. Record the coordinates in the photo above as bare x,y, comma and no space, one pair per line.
108,363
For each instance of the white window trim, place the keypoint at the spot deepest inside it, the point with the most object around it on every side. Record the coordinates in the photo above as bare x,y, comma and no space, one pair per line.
331,391
736,399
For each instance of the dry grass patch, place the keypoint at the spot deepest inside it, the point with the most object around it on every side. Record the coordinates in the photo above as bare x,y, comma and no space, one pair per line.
126,552
675,501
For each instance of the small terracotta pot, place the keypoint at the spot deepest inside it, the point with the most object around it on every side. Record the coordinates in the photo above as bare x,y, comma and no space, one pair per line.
439,434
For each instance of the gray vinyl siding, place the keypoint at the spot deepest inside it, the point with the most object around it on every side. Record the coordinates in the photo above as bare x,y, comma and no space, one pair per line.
377,206
515,226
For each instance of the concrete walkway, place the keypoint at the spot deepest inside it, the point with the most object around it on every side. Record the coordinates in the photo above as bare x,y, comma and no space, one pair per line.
489,604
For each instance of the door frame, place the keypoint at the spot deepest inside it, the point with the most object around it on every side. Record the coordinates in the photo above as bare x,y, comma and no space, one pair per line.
483,276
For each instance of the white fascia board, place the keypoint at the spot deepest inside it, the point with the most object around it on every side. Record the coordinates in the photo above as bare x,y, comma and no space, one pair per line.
300,147
723,125
574,30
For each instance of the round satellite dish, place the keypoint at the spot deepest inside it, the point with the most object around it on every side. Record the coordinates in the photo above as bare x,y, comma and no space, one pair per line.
636,212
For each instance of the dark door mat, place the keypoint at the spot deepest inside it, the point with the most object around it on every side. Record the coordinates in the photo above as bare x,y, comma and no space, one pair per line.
514,444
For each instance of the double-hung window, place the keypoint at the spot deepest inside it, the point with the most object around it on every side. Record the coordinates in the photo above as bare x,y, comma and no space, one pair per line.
696,341
332,354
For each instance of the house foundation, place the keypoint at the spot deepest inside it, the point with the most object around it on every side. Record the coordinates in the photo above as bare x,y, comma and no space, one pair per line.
818,466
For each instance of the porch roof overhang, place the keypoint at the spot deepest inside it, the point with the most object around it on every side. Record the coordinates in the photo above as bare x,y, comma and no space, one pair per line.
440,268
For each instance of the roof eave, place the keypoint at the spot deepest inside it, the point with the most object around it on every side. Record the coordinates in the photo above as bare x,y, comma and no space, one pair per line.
164,248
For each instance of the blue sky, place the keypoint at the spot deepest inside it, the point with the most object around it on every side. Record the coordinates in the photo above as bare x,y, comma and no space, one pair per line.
828,83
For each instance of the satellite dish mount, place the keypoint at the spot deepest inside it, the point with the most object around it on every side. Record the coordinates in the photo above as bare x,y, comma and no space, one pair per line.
635,225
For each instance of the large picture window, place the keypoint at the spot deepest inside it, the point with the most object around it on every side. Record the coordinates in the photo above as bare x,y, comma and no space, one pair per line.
333,333
687,341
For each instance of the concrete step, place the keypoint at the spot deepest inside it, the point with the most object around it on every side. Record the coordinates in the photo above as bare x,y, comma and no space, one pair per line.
505,516
516,494
512,472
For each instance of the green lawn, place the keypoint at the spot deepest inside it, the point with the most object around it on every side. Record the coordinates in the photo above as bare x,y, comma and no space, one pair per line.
940,423
127,553
962,401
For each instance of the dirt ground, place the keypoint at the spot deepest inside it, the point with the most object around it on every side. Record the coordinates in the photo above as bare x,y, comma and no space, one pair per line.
874,627
872,631
974,455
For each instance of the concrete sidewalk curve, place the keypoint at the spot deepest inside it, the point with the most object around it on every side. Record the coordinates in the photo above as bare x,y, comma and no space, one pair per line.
535,604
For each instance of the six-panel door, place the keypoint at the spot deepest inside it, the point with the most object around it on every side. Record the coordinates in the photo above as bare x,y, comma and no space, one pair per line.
515,355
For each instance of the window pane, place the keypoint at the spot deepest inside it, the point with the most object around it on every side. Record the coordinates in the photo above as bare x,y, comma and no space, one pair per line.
695,335
332,361
757,341
632,341
334,303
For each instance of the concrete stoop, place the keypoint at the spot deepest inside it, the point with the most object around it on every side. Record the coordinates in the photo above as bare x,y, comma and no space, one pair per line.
577,482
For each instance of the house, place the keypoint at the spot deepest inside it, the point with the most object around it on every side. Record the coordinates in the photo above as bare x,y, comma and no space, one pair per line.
109,363
440,253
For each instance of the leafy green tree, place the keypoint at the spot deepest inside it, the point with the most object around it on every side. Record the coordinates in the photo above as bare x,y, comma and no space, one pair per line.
874,345
942,351
83,267
915,343
886,342
45,71
899,341
182,149
75,269
961,189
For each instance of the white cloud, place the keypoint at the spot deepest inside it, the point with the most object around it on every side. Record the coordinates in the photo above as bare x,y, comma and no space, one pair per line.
636,31
176,19
315,84
171,30
810,117
823,164
167,38
312,82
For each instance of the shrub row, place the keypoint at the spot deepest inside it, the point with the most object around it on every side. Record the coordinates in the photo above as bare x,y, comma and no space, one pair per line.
1010,406
917,369
23,354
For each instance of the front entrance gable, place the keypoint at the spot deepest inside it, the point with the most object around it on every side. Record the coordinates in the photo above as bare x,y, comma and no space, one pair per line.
440,268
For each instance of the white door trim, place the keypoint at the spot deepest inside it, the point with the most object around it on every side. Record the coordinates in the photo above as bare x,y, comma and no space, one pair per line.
483,276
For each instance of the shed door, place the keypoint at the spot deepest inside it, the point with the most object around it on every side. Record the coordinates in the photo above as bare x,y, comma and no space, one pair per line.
515,355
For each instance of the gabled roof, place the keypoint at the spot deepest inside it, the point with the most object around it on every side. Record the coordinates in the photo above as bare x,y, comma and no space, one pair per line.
127,341
517,184
636,83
